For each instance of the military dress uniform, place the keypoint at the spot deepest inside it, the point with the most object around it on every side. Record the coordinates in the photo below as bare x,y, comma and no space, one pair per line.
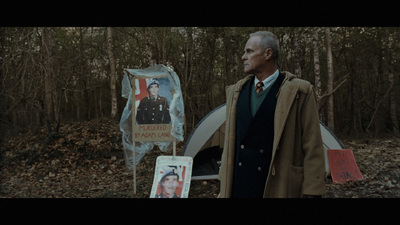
153,111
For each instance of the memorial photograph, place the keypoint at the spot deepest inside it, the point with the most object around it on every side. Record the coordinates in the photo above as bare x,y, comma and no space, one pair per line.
172,177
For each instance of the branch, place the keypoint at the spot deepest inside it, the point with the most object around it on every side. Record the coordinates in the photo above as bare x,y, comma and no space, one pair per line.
328,94
322,97
377,106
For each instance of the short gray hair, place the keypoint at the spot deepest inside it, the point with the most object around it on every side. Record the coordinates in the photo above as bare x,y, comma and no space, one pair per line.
268,40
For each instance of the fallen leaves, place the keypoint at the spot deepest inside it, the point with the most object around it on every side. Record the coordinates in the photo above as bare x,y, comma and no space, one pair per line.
378,161
82,160
86,160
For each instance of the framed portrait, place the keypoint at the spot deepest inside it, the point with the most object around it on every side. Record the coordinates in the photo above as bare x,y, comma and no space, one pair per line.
152,109
153,115
172,177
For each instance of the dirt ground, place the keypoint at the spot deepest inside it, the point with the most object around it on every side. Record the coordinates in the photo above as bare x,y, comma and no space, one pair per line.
86,160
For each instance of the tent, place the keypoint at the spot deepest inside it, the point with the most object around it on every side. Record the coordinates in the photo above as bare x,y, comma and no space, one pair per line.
206,142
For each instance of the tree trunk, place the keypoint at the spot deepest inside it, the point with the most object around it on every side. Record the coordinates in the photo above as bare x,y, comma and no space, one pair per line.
316,65
163,58
148,47
96,107
392,97
78,105
235,55
100,103
188,73
46,50
331,118
113,74
296,53
86,101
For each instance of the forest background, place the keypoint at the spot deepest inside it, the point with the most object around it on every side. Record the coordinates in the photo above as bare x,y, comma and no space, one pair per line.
53,75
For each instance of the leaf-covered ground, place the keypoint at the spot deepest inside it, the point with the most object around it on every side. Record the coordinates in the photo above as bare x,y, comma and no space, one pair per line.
86,160
379,163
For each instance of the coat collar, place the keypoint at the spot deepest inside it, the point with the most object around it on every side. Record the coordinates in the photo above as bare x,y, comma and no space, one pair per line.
239,85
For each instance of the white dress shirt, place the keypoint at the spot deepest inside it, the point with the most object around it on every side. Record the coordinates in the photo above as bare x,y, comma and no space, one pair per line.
269,81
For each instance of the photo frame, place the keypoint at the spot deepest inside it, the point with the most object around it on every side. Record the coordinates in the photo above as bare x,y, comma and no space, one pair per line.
153,97
141,134
172,177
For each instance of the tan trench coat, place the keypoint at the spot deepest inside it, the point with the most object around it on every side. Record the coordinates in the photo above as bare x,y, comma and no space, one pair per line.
298,162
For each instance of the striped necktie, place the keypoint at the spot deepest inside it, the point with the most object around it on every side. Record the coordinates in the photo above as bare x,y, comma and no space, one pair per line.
259,86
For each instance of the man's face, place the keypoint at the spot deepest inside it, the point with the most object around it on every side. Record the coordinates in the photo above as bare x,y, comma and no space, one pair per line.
254,58
153,90
169,185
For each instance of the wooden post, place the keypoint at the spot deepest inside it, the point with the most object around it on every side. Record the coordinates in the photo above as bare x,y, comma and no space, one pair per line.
133,132
174,148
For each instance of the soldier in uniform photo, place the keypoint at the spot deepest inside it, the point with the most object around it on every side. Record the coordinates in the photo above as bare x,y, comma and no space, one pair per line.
153,109
168,183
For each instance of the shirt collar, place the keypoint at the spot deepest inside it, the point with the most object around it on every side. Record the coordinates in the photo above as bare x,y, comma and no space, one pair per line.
268,81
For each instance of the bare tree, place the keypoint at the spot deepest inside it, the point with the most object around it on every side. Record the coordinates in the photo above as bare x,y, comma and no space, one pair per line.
392,97
331,117
188,72
113,74
48,72
148,47
235,54
316,64
296,52
46,50
163,55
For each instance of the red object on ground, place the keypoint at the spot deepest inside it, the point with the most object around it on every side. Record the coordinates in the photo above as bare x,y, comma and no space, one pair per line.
343,166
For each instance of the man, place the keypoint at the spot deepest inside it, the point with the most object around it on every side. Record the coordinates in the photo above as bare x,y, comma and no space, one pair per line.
153,109
273,145
168,183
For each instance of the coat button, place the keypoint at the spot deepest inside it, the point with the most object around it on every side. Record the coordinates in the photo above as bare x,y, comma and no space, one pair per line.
261,151
259,168
242,146
240,163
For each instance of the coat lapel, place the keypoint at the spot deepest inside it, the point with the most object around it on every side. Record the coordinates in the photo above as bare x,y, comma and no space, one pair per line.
285,98
228,155
267,108
243,115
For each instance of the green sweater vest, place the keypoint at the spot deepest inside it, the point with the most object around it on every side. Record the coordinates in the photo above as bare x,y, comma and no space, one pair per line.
257,98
